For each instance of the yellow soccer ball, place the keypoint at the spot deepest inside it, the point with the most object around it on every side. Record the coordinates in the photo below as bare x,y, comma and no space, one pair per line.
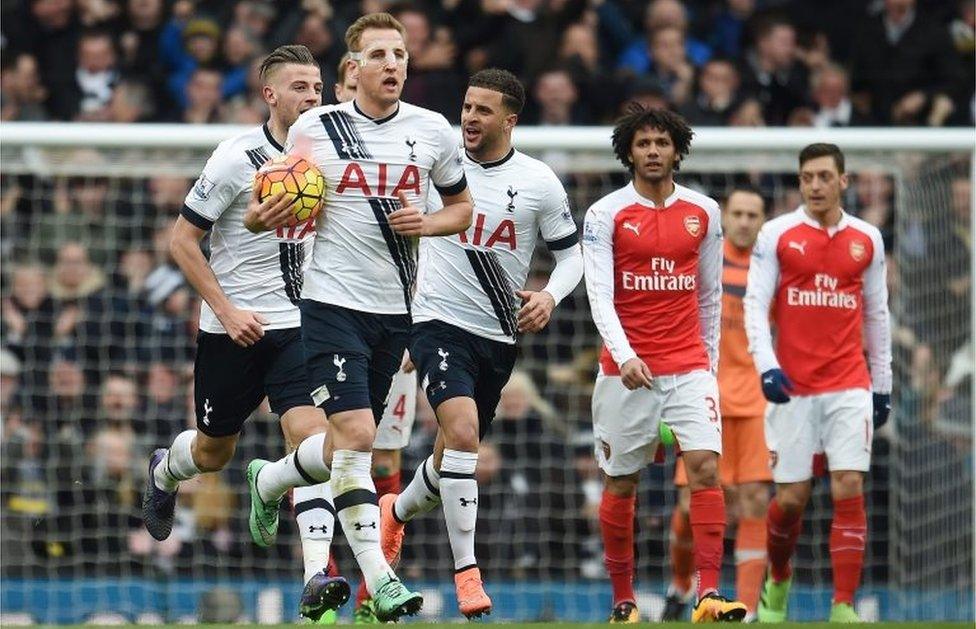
298,178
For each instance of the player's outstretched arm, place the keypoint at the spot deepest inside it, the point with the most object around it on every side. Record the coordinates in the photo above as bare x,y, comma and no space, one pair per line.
271,214
245,328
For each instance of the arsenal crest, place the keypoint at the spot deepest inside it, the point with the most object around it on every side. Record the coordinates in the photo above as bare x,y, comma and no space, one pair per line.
693,225
857,250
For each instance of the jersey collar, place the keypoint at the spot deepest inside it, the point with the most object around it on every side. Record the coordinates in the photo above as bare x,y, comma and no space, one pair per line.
497,162
651,204
841,224
376,120
271,140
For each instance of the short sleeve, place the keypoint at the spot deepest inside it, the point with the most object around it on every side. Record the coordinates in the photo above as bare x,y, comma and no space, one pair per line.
447,174
556,222
221,181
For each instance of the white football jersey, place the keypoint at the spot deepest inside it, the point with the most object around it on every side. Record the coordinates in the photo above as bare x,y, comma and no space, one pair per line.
258,272
358,261
469,279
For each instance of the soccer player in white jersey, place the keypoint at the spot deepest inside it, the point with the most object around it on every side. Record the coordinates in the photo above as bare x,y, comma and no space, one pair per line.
379,156
653,259
466,315
249,344
394,430
825,271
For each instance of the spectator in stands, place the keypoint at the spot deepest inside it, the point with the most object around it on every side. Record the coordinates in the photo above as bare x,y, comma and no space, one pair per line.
28,328
579,52
169,337
772,73
555,100
670,66
167,193
963,32
875,200
132,101
314,33
747,113
164,411
10,369
118,403
903,68
434,83
69,410
203,99
662,14
95,78
726,29
832,101
139,43
712,104
644,91
22,95
77,289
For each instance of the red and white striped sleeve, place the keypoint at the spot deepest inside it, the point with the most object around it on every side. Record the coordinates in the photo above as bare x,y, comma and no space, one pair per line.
598,272
761,287
710,285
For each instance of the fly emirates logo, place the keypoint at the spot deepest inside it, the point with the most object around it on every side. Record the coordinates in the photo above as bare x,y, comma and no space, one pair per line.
662,278
824,294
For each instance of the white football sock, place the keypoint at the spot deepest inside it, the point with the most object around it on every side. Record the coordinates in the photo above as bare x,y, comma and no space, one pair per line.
178,463
315,516
300,468
355,503
459,495
421,495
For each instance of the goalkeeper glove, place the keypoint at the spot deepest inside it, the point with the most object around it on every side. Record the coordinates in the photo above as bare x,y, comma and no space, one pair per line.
882,408
776,386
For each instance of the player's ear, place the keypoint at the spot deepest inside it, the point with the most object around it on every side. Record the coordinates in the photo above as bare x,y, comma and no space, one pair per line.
269,95
510,121
843,181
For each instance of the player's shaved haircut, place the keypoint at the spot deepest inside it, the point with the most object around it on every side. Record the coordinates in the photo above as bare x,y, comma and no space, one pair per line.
378,21
503,82
640,117
341,69
282,55
821,149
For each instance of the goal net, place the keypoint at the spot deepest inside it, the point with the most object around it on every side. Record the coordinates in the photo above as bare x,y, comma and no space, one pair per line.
98,336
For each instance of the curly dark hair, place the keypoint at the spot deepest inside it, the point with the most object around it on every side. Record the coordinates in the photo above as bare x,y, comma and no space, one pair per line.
639,117
503,82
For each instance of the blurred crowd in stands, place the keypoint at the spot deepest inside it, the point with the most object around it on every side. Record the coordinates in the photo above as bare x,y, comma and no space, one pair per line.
720,62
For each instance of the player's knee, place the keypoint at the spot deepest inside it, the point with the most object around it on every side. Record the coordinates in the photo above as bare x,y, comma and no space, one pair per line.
792,498
298,428
846,484
702,471
753,500
622,486
353,431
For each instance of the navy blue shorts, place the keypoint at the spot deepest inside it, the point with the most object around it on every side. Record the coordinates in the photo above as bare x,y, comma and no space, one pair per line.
452,362
230,381
351,356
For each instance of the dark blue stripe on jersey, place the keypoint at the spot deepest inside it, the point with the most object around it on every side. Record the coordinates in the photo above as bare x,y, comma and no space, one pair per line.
257,156
345,139
314,503
563,243
291,256
736,290
400,249
451,190
734,264
195,219
493,283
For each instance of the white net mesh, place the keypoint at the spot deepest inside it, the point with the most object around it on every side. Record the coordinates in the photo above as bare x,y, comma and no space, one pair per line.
103,345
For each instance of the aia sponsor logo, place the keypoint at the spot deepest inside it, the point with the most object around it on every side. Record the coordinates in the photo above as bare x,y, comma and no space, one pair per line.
693,225
857,250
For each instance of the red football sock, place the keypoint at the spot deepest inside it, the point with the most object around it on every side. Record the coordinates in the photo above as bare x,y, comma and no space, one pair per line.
783,530
750,560
707,515
387,484
848,533
617,528
682,557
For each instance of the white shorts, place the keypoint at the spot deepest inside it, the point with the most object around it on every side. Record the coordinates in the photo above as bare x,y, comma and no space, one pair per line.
838,423
394,430
625,423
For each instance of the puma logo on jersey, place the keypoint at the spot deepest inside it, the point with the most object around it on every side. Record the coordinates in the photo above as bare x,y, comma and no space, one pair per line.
631,227
411,144
854,535
511,199
443,364
799,246
207,409
339,362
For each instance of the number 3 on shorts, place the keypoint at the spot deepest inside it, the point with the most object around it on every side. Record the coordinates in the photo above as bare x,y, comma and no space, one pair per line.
712,409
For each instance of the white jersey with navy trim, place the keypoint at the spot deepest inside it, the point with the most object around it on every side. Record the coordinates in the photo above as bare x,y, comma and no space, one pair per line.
358,261
469,279
258,272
